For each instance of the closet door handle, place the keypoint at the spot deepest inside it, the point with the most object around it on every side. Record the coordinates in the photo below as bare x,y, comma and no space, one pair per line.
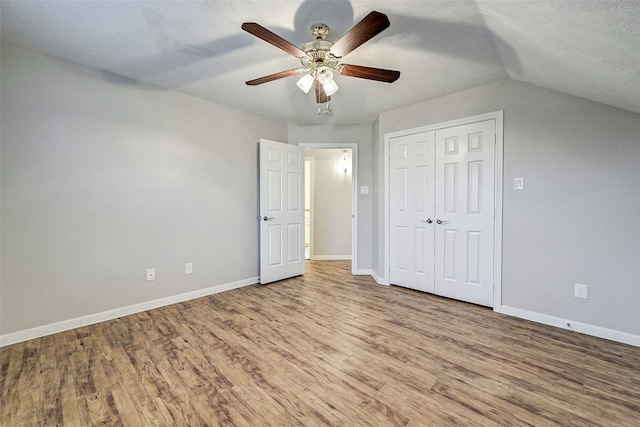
439,221
428,220
267,218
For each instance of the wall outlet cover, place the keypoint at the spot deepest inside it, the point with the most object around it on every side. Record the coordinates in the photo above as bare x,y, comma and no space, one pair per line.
581,291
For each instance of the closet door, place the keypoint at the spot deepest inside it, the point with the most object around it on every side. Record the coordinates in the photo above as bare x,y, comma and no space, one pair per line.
442,211
412,209
464,212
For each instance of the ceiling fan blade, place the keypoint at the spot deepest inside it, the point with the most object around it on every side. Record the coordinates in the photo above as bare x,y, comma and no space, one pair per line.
270,37
272,77
321,96
370,73
371,25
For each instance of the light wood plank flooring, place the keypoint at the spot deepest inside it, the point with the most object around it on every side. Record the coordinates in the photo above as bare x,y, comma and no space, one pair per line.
324,349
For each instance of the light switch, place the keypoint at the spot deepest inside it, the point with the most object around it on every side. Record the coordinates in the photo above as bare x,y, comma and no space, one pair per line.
364,190
518,183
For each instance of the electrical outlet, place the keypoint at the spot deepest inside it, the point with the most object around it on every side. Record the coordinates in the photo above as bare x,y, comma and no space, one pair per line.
151,274
188,268
581,291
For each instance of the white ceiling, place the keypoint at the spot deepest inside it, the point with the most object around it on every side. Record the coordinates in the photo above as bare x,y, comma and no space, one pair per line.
586,48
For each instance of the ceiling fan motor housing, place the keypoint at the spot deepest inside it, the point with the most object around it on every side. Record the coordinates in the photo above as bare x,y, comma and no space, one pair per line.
319,31
317,50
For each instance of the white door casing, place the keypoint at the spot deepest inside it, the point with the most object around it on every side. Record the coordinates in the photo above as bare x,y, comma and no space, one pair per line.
281,211
412,210
453,168
354,184
464,211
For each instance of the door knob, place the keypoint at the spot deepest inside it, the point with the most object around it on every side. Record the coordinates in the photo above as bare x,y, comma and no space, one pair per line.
428,220
439,221
267,218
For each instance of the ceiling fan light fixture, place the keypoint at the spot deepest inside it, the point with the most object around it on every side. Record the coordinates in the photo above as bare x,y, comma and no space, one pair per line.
305,83
320,58
324,75
330,87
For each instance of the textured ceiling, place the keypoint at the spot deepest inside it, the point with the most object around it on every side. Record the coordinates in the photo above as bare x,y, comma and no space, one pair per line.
589,49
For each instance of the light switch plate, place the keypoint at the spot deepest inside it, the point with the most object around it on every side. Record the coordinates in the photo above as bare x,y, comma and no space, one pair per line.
518,183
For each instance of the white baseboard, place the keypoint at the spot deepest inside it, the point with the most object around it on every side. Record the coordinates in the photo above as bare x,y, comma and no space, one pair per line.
66,325
364,272
379,280
583,328
331,257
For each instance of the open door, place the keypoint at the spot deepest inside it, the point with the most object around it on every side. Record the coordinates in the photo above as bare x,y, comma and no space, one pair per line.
281,211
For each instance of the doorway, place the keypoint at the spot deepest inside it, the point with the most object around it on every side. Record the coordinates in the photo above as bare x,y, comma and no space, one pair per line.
331,202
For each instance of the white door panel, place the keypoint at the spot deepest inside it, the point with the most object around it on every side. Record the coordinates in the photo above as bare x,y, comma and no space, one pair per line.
464,212
281,211
412,172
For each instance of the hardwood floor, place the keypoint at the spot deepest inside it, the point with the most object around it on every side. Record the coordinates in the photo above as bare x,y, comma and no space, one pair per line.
327,348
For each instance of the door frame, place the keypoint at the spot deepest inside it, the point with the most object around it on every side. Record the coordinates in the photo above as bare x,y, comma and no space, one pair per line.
354,193
498,180
311,161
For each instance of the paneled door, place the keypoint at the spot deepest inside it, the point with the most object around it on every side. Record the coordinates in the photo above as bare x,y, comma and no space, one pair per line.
442,211
412,210
464,212
281,211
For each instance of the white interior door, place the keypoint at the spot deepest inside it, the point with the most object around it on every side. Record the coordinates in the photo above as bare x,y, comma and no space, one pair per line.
281,211
464,200
412,210
445,176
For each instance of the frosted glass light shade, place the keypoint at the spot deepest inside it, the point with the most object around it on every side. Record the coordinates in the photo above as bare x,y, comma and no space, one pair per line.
305,83
330,87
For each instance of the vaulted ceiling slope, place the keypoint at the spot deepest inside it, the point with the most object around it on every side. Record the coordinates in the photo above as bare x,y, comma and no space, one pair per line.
585,48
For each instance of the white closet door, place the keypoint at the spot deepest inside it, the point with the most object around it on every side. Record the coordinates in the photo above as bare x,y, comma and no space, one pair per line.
442,205
464,212
412,240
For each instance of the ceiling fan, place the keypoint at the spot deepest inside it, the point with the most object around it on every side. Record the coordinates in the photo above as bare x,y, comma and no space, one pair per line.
320,58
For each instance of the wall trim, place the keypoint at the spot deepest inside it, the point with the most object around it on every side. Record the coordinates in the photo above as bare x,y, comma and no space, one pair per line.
364,272
571,325
331,258
66,325
379,280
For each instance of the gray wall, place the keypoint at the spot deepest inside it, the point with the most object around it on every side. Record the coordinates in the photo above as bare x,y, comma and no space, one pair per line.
353,134
577,221
103,178
332,204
